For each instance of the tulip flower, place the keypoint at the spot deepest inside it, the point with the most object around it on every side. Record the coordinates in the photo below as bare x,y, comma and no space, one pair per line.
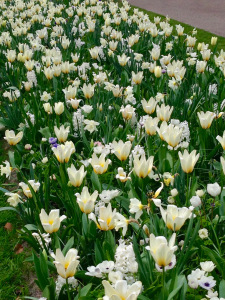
200,66
86,201
188,161
63,152
172,135
162,129
127,112
76,176
59,108
151,125
143,167
123,59
175,217
106,218
164,112
206,118
121,290
88,90
221,140
122,175
121,149
51,222
100,165
214,189
66,265
11,138
62,133
158,71
137,78
149,106
162,251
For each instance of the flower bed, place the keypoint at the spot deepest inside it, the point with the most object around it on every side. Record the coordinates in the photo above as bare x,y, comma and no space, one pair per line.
117,131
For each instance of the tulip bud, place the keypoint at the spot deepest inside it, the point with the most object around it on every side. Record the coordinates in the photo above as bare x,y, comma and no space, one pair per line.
158,71
213,40
59,108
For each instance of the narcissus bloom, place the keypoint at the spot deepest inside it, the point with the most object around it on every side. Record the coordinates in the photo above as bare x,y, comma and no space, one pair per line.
7,169
143,167
13,199
26,190
62,133
86,201
100,165
121,149
66,265
162,251
76,176
106,218
121,290
175,217
188,161
51,222
206,118
91,125
221,139
13,139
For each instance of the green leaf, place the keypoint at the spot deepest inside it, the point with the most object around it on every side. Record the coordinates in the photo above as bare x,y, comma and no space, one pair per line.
12,159
179,284
4,190
84,291
68,246
31,227
222,289
95,181
8,208
45,132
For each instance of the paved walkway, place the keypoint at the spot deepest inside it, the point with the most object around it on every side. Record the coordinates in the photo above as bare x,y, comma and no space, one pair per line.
205,14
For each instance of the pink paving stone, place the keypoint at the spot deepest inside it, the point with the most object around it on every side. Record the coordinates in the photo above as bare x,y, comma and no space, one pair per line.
205,14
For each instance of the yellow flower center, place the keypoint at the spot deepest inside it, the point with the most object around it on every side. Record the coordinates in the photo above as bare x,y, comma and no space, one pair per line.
50,222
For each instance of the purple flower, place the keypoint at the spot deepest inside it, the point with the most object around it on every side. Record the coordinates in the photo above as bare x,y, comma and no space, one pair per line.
55,145
52,140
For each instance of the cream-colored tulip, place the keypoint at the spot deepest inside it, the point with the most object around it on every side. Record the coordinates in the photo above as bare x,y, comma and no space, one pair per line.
175,217
162,251
63,152
123,59
149,106
206,118
121,149
172,135
137,78
143,167
66,265
99,164
221,139
200,66
162,129
164,112
122,291
158,71
106,218
151,125
127,111
88,90
11,138
59,108
51,222
76,177
86,201
188,161
62,133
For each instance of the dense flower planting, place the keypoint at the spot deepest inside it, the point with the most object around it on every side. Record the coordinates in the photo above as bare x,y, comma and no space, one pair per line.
117,131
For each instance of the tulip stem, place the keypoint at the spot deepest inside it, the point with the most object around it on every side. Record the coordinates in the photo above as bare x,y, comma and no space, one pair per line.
187,192
68,289
163,283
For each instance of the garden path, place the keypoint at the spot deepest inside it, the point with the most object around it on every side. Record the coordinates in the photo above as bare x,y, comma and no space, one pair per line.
205,14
